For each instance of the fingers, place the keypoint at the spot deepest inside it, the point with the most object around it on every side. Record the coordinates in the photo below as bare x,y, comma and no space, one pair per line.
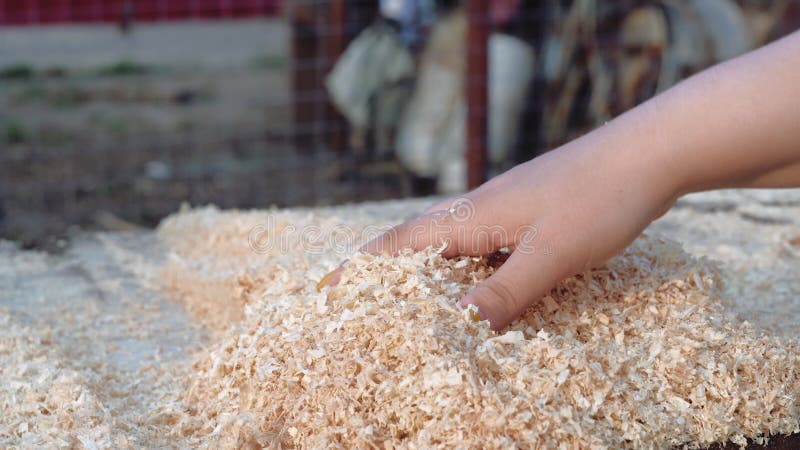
437,226
430,229
434,228
472,225
467,227
524,279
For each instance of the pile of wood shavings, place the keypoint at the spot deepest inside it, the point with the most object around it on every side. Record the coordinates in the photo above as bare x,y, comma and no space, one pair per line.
42,403
212,258
86,360
640,353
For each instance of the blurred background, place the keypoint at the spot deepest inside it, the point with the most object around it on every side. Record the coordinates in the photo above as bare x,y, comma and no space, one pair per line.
113,113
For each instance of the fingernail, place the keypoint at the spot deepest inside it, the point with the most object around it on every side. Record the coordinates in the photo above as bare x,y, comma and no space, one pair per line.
472,309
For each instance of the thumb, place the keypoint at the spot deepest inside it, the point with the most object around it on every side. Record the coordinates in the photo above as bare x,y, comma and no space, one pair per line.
524,279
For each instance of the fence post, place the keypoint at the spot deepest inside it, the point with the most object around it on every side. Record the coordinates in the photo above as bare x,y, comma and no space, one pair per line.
336,42
305,75
477,85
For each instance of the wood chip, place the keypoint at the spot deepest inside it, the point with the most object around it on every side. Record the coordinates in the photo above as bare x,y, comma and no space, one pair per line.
641,353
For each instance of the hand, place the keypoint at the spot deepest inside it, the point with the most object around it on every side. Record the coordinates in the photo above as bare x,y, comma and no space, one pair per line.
734,125
560,214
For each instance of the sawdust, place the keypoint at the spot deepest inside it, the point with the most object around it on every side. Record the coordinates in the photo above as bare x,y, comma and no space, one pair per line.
640,353
212,253
86,357
643,353
44,404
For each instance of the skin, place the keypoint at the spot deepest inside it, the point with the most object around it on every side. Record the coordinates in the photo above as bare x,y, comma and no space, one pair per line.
734,125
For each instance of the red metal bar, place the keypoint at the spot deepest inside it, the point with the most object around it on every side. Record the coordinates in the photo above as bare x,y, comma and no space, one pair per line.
477,91
335,45
34,12
305,74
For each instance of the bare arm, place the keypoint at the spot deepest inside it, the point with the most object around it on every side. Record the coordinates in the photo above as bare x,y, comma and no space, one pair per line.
734,125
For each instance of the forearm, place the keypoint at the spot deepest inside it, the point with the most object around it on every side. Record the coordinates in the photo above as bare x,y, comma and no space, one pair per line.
784,177
734,125
746,124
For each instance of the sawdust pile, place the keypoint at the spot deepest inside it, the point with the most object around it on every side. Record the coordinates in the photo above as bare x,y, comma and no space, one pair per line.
212,252
42,403
640,353
75,368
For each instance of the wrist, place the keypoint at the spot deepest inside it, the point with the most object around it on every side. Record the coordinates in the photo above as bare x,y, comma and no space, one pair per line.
650,174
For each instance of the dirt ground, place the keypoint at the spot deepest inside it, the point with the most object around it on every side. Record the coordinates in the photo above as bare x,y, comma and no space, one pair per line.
106,130
131,124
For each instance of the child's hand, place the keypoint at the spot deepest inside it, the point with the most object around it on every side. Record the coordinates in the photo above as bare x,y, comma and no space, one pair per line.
561,213
735,125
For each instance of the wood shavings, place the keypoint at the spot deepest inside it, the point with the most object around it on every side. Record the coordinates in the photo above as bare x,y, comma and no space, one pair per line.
641,353
44,404
87,357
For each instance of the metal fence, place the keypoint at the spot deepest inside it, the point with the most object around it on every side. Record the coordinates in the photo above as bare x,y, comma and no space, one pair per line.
357,100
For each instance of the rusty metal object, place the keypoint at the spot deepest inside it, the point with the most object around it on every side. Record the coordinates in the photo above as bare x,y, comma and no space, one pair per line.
320,34
304,78
335,42
477,91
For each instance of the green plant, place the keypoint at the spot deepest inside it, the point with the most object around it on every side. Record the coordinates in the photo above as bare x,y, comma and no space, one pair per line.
124,68
17,72
117,125
15,133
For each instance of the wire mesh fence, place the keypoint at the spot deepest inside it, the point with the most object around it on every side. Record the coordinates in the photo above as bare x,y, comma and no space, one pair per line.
116,123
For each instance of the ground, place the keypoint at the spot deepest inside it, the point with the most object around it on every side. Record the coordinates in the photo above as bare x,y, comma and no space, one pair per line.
98,125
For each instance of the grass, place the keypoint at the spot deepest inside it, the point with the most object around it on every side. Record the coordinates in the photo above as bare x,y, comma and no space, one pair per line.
17,72
25,72
67,97
15,133
29,93
124,68
117,125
